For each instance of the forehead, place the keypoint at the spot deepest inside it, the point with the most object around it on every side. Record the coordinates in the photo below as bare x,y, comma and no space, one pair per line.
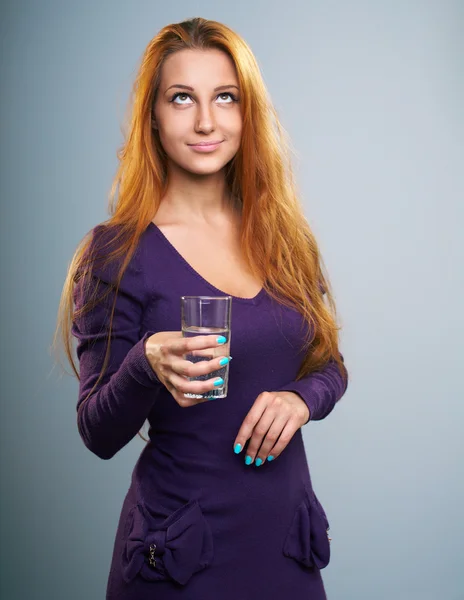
198,68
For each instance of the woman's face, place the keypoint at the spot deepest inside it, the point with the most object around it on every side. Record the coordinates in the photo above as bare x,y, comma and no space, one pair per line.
201,114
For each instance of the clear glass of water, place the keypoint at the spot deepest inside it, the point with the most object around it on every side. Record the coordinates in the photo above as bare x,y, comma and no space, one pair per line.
206,315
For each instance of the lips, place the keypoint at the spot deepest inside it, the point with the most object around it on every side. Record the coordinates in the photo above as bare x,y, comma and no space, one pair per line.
211,143
205,147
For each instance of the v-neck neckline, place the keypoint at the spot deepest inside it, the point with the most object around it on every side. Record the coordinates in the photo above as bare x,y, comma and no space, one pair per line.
255,300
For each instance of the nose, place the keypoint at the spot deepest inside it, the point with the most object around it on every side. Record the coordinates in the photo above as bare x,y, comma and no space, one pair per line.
205,119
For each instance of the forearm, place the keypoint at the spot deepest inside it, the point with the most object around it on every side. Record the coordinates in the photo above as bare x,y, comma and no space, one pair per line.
320,390
116,411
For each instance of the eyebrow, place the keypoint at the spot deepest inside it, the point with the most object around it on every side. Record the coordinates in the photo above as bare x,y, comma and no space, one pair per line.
187,87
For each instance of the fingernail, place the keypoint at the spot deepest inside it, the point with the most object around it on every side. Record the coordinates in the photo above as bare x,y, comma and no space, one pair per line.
219,381
221,339
248,460
270,457
223,361
238,448
258,462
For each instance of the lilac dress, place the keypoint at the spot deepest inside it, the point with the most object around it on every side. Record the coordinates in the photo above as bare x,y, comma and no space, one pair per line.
197,523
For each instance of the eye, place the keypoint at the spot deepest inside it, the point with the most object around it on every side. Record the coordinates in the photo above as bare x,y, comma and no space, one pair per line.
178,94
231,96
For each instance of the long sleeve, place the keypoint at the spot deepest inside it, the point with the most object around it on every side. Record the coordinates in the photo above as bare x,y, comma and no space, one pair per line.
121,402
320,390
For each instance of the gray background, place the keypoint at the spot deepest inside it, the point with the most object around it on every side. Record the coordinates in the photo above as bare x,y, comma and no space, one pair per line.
371,94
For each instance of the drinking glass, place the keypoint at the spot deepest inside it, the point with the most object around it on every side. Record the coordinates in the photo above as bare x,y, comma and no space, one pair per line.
205,315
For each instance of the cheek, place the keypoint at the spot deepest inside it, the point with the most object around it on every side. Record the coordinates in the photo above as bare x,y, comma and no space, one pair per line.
236,134
235,120
172,135
169,129
236,128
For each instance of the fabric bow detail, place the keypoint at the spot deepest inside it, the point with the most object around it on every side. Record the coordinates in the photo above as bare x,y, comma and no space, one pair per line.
307,540
175,549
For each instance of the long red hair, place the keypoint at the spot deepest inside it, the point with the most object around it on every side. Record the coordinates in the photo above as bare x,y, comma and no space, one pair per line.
276,239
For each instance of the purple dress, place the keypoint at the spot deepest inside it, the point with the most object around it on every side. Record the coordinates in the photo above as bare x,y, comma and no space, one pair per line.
197,523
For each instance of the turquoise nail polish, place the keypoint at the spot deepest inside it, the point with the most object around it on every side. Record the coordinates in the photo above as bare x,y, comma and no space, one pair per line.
219,381
221,339
223,361
238,448
270,457
248,460
258,462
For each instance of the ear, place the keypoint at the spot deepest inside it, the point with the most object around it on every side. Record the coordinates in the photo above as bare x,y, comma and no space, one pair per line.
153,123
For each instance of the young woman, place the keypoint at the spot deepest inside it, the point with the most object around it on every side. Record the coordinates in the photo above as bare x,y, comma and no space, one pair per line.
221,503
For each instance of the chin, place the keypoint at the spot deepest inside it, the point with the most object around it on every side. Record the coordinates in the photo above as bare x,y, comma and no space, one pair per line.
204,171
204,167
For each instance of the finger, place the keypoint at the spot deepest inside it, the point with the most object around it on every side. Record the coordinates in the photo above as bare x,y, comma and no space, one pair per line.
179,397
259,432
287,433
269,444
249,422
184,386
185,345
186,368
208,353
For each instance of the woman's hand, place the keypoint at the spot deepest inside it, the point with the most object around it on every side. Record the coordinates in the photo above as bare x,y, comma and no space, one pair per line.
165,352
271,423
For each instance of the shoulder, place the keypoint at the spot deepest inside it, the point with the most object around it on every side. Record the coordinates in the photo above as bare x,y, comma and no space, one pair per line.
99,270
104,257
104,251
105,239
150,261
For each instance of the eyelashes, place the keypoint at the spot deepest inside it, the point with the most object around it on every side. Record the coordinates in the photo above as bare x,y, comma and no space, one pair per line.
234,98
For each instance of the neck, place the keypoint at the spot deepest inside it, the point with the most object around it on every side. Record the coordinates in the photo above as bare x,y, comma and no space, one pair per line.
197,198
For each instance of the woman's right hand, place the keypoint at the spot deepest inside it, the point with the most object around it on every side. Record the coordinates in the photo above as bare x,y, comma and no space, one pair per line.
165,352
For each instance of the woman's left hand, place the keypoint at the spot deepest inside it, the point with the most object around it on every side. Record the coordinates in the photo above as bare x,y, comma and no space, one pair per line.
271,423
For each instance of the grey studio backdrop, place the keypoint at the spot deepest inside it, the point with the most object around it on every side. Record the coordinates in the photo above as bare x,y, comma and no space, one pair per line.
371,94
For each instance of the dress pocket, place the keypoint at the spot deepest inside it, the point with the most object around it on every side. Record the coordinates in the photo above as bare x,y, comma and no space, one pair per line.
175,548
307,540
